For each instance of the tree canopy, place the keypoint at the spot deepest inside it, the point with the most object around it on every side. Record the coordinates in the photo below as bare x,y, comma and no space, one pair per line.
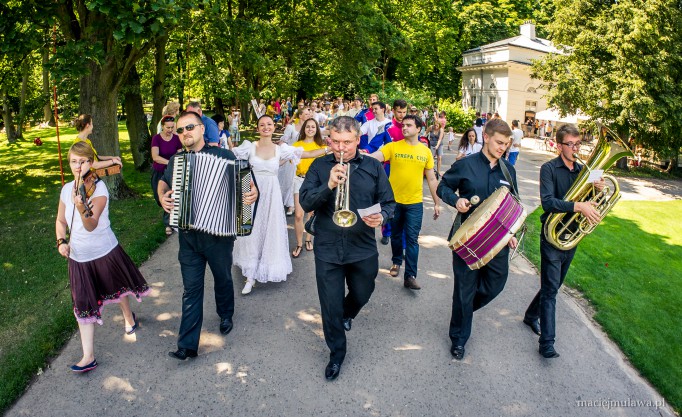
622,65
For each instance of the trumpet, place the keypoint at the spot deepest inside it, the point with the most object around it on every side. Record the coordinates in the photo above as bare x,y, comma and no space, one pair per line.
343,216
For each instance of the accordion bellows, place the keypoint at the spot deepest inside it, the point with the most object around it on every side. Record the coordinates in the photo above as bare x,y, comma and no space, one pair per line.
208,195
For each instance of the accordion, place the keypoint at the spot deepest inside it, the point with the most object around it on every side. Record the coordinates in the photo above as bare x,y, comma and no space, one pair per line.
208,194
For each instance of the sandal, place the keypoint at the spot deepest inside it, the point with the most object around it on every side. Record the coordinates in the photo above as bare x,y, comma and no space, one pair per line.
308,245
169,231
297,252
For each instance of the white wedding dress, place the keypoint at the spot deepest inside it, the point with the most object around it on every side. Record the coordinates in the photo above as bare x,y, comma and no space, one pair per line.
264,254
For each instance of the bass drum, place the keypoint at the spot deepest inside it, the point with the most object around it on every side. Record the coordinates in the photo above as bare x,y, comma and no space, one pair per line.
488,229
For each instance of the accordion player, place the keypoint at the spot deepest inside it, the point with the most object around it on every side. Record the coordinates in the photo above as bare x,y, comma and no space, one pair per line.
208,194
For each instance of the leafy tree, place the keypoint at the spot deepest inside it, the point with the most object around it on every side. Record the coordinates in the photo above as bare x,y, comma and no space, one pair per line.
622,65
18,40
103,41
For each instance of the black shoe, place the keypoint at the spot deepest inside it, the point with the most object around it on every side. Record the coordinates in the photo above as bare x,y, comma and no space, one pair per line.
549,352
457,352
226,326
332,371
87,368
347,324
533,324
411,283
385,240
182,354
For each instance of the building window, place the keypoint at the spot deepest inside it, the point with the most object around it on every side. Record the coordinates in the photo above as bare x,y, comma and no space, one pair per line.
531,105
492,104
531,90
473,101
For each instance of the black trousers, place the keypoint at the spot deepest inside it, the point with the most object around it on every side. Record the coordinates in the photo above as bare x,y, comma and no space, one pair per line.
554,264
473,290
331,287
197,249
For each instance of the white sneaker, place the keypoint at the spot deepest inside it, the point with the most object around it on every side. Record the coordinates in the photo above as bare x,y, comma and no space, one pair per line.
248,286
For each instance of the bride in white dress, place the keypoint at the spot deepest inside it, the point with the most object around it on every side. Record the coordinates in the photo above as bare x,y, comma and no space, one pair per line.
263,256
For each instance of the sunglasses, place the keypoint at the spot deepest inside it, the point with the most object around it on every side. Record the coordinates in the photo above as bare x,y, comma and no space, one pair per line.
190,127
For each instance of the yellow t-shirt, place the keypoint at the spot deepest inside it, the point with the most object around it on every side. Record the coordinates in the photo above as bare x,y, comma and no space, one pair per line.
89,143
304,165
408,163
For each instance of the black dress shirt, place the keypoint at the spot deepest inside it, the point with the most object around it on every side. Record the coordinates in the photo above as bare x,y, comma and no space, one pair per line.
368,186
555,180
473,176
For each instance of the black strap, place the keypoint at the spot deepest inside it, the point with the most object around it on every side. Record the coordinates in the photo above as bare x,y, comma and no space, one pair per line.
505,171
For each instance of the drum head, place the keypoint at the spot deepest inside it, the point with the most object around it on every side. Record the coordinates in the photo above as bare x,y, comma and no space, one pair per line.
479,217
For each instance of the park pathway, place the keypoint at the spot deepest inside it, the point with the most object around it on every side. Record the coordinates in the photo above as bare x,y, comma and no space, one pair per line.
398,361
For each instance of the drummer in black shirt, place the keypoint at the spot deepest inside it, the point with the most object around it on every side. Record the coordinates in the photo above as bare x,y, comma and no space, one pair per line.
479,175
345,256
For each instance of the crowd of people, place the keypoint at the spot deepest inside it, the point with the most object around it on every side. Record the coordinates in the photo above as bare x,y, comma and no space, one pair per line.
380,151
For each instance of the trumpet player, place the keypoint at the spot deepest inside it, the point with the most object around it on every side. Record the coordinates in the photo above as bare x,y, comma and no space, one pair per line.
556,177
345,244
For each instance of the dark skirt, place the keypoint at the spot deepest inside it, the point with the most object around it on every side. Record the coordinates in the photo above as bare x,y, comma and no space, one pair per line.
103,281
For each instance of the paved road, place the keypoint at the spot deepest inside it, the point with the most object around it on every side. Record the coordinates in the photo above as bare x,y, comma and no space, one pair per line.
398,363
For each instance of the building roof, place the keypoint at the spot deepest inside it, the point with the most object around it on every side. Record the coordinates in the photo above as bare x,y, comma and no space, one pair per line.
538,44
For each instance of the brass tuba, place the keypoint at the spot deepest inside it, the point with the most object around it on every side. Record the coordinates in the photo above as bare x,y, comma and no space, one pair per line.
565,230
343,216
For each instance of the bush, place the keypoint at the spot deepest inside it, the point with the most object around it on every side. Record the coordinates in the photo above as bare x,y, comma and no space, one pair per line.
457,117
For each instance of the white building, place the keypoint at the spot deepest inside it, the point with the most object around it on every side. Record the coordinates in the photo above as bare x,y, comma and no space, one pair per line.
496,77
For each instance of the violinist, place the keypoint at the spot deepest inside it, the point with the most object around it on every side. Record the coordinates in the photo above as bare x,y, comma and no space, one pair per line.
100,272
84,127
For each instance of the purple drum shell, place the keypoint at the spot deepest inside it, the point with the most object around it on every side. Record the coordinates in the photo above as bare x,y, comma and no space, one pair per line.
494,230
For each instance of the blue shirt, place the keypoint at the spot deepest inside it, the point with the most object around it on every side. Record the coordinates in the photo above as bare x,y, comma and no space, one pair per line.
211,133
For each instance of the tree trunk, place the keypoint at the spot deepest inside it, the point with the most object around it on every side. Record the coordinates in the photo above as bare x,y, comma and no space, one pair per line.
622,163
136,122
181,84
98,97
48,114
7,117
25,70
219,106
159,98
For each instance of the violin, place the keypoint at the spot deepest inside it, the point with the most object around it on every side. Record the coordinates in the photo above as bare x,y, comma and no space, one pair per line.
86,189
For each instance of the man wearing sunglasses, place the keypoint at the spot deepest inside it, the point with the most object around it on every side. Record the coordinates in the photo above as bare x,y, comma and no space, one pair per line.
556,177
211,131
199,248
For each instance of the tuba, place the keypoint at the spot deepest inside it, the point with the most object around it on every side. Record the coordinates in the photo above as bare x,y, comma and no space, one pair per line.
343,216
565,230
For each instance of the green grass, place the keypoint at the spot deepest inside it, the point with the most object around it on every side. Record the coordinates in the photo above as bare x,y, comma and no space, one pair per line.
629,270
36,316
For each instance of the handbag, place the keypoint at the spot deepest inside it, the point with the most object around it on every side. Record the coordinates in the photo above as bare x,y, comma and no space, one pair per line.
310,225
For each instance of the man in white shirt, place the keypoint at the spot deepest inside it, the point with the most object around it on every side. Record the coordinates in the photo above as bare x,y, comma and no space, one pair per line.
370,128
318,115
515,148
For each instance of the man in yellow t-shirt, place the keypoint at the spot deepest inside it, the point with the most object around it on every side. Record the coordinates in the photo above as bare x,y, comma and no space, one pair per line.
410,161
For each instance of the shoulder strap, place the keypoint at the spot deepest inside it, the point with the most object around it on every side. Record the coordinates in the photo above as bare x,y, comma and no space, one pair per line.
505,171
